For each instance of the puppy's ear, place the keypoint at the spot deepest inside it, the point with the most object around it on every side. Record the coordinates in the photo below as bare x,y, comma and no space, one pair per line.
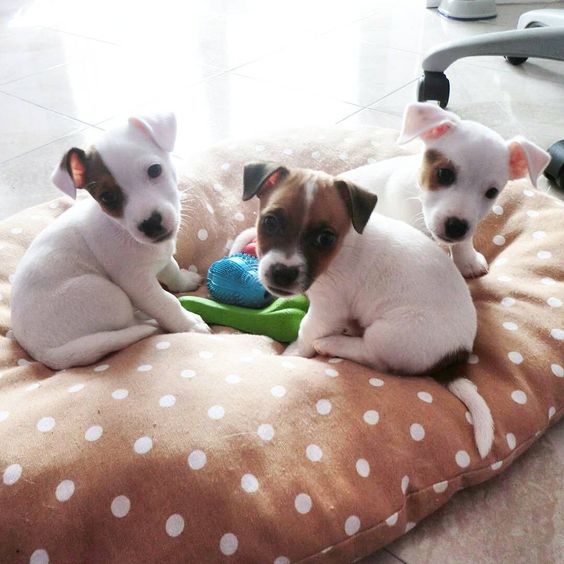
71,173
526,157
161,128
427,121
360,203
260,176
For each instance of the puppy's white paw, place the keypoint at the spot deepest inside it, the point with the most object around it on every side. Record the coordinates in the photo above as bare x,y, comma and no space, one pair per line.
199,325
324,346
188,281
474,267
294,349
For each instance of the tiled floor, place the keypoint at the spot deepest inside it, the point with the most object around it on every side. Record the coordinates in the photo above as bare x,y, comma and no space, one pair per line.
232,68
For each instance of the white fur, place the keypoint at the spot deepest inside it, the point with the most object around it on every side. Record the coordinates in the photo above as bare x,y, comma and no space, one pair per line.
77,288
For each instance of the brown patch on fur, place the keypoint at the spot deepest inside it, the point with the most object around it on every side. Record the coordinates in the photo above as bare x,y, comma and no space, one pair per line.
433,160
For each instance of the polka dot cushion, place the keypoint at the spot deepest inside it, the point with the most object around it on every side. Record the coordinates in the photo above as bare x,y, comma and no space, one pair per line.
211,448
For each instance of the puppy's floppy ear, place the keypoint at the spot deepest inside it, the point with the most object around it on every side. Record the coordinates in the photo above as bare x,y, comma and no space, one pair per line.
261,175
360,203
71,173
526,157
427,121
160,127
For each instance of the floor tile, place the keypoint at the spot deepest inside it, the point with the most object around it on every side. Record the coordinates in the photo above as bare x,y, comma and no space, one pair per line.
381,557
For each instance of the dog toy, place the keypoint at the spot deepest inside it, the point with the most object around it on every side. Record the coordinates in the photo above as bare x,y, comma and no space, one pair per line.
234,280
280,320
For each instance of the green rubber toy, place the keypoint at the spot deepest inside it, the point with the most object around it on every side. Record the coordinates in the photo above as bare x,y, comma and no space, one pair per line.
280,320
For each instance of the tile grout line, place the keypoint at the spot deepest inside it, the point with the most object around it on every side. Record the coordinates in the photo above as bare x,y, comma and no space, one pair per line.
395,555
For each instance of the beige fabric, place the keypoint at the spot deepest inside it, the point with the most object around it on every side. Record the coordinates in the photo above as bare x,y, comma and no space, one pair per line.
197,448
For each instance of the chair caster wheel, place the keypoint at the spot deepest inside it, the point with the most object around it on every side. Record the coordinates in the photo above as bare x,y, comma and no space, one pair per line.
555,169
515,61
434,86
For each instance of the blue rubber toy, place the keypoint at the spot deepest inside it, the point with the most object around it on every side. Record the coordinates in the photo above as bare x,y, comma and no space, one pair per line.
234,280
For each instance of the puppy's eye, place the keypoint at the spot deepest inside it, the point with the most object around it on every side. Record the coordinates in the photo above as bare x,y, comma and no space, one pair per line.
154,170
445,176
491,193
110,199
324,240
270,225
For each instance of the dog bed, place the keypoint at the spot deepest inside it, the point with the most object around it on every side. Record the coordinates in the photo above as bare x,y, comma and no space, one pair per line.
209,448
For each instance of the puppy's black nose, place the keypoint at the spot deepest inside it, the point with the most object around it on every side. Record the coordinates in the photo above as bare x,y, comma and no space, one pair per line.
282,275
455,228
152,227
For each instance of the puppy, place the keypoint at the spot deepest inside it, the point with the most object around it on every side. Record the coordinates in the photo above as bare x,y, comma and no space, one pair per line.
77,288
408,302
448,188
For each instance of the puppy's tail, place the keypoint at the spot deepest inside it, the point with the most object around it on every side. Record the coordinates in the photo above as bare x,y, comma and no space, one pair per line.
468,394
242,240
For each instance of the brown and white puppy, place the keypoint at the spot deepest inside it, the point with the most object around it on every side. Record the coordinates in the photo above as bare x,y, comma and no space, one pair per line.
316,234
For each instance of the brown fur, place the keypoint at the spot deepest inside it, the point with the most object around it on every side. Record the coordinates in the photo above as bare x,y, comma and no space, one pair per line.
433,160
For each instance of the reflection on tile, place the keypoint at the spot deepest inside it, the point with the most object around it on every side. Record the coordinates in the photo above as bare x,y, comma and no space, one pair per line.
24,126
517,517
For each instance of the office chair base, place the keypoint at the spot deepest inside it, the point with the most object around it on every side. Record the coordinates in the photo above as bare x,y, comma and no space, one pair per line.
433,86
555,169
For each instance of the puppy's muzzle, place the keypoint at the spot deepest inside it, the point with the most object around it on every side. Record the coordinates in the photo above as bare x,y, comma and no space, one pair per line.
283,278
153,228
455,228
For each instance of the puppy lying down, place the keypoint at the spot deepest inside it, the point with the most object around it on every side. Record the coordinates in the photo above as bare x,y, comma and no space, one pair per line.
410,307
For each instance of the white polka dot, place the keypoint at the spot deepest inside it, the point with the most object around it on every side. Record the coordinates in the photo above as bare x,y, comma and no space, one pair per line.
75,388
216,412
352,525
557,370
120,393
144,368
518,396
101,367
278,391
371,417
515,357
440,487
376,382
557,334
4,415
217,187
193,268
554,302
392,519
45,424
64,491
508,302
167,401
409,525
288,151
314,453
33,386
228,544
249,483
16,230
210,209
197,459
323,407
239,217
539,234
362,467
225,166
499,240
331,372
39,556
206,355
528,193
93,433
162,345
497,209
417,432
504,278
23,362
188,374
473,359
143,445
500,261
303,503
265,432
335,360
532,213
496,465
404,484
462,458
468,416
425,396
281,560
202,234
511,440
551,412
510,326
12,474
174,525
547,281
544,255
120,506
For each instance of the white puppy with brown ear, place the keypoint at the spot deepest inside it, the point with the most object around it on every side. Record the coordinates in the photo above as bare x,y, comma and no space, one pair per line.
77,288
448,188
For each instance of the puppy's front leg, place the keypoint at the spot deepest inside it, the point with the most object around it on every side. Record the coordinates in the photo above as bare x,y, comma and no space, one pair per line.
470,262
177,279
148,296
312,327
